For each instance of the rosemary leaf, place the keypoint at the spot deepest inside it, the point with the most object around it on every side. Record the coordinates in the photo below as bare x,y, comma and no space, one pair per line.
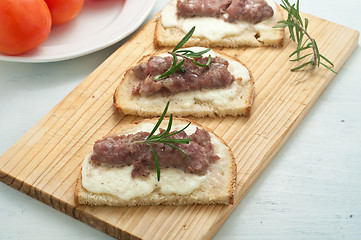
328,68
184,39
328,61
165,133
175,67
184,54
203,65
301,66
164,138
298,29
156,161
299,50
299,58
176,132
159,121
197,54
180,150
280,26
175,140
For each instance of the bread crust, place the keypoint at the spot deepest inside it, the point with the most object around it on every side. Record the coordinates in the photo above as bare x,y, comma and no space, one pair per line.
169,37
153,106
202,195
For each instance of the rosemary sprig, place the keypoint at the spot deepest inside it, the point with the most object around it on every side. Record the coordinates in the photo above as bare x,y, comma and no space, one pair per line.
164,138
184,54
298,30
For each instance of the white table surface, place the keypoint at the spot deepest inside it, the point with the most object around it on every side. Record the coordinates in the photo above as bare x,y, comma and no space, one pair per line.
311,189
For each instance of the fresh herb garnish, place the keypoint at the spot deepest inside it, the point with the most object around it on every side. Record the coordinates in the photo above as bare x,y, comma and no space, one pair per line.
298,30
184,54
164,138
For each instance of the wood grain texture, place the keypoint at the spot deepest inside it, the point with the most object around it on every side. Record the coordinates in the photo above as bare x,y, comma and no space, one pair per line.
46,161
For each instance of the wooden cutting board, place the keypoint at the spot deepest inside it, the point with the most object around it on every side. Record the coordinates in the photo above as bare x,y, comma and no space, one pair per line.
46,161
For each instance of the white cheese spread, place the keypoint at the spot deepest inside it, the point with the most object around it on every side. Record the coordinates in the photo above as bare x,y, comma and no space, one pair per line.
216,97
211,28
118,182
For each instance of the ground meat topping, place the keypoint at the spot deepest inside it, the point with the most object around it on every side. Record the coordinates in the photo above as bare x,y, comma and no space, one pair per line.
210,8
253,11
120,151
193,77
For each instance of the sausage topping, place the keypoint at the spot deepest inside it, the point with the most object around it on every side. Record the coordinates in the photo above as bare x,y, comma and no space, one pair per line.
126,150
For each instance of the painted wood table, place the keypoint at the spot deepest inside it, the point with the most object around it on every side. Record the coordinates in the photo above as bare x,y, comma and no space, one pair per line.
310,189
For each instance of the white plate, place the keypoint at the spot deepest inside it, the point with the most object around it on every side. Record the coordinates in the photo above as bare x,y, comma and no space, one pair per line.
100,24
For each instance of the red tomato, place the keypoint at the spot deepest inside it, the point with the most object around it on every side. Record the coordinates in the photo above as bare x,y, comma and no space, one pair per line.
24,25
63,11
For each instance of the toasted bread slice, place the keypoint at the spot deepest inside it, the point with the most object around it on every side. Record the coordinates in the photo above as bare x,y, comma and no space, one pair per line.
234,100
169,30
99,185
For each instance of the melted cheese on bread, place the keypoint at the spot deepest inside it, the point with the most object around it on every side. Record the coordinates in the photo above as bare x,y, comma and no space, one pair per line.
213,28
117,181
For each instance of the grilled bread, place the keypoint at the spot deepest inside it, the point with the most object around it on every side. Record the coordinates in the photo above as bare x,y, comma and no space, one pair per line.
215,32
114,186
235,99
